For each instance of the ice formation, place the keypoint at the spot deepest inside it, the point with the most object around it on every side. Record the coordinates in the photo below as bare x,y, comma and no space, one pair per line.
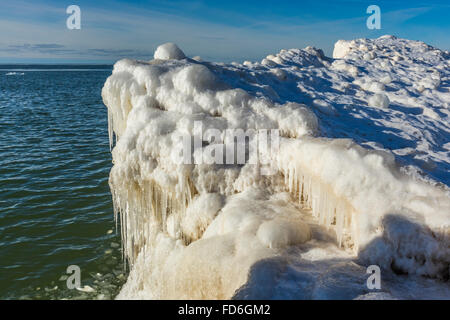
361,175
169,51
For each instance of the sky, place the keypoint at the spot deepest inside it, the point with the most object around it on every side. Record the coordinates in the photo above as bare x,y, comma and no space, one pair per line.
232,30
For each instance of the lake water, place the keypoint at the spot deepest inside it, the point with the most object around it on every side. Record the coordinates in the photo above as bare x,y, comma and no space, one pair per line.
55,203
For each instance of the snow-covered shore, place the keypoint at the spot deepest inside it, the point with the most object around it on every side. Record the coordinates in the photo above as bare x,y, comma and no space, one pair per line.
361,175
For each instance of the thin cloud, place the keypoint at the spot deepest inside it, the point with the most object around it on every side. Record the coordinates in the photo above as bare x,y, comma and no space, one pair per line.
58,49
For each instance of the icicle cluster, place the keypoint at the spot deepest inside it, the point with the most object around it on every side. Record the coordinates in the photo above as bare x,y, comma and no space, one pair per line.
330,210
144,211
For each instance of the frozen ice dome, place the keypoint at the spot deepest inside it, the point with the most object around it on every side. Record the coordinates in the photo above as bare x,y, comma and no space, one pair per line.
379,100
168,51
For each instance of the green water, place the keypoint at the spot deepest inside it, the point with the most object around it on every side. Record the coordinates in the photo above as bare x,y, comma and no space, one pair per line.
55,204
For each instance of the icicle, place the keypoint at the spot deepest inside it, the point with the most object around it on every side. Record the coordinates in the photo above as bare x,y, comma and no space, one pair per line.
110,129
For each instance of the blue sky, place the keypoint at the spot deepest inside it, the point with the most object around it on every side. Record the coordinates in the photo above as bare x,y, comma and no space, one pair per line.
35,31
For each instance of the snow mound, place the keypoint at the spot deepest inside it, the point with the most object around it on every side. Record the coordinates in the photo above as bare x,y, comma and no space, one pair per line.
344,182
169,51
379,100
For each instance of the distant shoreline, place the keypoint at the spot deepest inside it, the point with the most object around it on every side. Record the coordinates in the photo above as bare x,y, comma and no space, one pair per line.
22,67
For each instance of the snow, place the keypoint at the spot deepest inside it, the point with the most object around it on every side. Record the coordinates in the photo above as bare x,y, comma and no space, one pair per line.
360,176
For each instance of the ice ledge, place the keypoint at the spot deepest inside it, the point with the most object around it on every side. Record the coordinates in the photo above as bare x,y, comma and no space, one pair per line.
179,215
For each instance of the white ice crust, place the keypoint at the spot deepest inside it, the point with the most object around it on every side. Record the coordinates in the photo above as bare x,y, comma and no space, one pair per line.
361,176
